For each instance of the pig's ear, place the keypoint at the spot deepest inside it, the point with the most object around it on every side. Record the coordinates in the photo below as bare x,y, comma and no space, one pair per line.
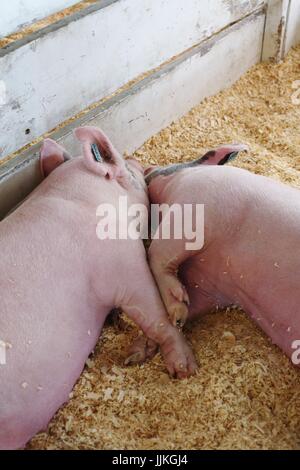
51,156
222,155
100,155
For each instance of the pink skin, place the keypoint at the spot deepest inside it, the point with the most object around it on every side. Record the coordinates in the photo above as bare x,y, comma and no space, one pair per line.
59,282
250,255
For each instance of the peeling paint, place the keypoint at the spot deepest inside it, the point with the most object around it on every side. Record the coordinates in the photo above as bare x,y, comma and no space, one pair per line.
15,104
241,7
280,38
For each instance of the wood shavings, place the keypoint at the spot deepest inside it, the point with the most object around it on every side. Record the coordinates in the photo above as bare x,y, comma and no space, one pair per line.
121,395
244,397
108,394
228,337
69,424
90,363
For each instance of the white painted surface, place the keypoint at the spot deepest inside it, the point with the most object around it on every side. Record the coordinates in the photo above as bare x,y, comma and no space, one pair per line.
293,27
135,119
153,106
15,14
58,75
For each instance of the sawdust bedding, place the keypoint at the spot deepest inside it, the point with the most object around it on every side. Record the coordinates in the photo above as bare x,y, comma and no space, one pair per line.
246,394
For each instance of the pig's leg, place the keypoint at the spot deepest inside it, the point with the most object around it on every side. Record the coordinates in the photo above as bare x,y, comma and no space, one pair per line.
141,350
165,257
114,319
143,305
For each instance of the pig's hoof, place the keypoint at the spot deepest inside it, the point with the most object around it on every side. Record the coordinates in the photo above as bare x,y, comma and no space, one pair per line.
141,350
180,360
179,291
183,371
175,298
135,358
188,368
178,314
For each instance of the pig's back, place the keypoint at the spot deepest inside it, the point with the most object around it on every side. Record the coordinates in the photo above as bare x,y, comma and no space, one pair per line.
47,319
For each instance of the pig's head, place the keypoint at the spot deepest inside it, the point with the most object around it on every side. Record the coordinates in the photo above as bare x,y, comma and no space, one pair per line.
154,175
100,157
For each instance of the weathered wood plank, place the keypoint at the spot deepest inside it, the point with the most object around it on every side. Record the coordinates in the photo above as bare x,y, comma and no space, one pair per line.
15,14
293,26
57,72
276,30
150,105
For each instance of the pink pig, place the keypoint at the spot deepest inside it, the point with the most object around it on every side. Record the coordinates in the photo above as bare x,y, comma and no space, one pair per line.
59,282
251,251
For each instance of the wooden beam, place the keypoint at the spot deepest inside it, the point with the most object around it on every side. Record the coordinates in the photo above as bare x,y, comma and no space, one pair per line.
15,14
137,113
58,71
275,30
293,26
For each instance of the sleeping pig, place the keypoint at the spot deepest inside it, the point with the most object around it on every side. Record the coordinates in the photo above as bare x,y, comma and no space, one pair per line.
251,251
59,282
